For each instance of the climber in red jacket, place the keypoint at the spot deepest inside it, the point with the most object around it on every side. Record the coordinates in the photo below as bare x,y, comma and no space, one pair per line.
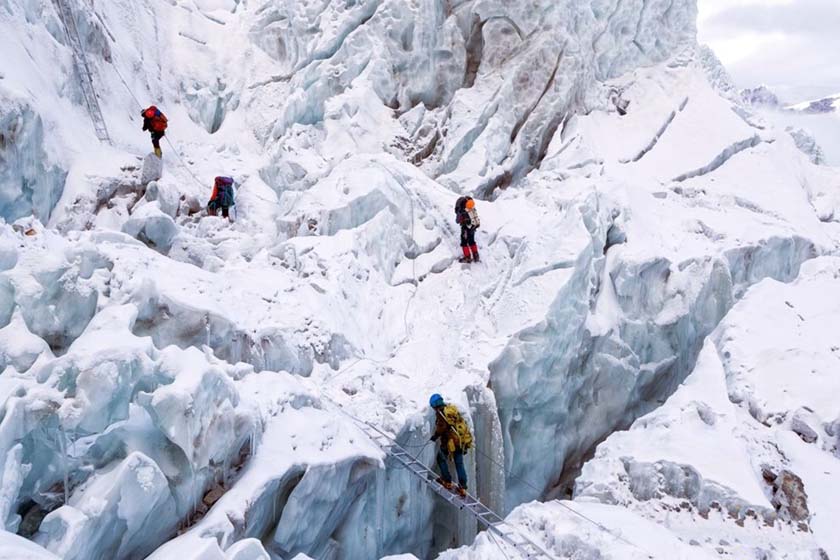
155,122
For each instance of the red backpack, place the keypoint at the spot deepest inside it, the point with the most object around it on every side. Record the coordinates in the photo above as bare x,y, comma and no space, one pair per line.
156,118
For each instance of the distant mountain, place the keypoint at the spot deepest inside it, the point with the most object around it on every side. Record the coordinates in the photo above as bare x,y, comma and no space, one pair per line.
830,104
760,96
765,98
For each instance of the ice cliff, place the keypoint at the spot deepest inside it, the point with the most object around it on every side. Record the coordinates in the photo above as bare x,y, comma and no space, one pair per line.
656,259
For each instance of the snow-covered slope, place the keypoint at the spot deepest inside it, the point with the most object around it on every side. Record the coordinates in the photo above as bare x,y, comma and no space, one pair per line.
177,386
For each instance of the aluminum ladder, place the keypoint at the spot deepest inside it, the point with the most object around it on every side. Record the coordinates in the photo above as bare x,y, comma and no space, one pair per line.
484,515
68,20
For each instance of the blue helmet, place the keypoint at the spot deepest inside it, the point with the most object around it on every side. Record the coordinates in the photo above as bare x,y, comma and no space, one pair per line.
436,400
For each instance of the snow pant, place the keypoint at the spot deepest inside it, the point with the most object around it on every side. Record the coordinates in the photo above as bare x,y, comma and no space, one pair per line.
468,242
443,465
156,136
214,210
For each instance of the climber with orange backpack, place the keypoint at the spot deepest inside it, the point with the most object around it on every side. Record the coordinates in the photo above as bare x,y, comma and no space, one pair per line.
155,122
222,197
455,440
467,217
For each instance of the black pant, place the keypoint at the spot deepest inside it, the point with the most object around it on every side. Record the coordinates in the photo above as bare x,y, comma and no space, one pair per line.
156,136
467,237
213,210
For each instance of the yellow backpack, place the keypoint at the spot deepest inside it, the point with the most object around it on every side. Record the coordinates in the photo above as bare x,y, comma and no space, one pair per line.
459,426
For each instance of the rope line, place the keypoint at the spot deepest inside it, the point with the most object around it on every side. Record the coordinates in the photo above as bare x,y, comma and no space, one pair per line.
498,544
165,137
564,506
131,93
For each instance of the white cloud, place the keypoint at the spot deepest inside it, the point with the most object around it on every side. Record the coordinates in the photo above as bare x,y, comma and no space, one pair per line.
791,45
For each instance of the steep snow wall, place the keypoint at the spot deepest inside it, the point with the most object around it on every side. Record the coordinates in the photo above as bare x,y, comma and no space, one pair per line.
562,386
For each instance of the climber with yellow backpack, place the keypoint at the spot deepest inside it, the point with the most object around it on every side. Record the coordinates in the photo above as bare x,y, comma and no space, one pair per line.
455,440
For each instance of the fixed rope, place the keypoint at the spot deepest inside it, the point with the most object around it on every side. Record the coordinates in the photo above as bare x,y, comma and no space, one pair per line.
80,63
589,520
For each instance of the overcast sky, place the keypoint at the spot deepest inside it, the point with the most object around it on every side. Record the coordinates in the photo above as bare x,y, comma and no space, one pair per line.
793,46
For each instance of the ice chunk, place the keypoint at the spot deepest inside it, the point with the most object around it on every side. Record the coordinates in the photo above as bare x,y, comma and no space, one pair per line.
7,301
8,252
13,547
116,511
18,346
196,411
105,366
31,181
166,195
152,169
12,473
151,226
57,302
247,549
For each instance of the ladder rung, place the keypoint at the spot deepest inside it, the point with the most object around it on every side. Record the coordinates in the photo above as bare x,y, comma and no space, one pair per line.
82,69
494,523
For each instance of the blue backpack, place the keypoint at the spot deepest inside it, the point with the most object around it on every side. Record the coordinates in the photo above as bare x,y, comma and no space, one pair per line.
224,192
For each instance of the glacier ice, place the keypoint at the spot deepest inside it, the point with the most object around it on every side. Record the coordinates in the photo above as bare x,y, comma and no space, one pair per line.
756,448
173,384
31,181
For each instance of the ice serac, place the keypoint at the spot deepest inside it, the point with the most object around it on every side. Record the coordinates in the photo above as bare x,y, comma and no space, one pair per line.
743,448
30,181
112,515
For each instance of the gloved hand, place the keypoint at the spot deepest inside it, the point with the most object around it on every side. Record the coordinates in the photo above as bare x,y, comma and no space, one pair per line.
434,437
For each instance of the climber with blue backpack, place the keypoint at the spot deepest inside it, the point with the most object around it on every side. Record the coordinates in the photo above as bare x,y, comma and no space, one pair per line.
222,197
455,440
155,122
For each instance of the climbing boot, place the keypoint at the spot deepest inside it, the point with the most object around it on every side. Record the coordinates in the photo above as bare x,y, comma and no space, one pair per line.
465,260
158,152
474,250
461,491
447,485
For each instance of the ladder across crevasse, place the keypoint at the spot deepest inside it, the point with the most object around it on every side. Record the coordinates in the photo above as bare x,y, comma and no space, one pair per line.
68,20
485,516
